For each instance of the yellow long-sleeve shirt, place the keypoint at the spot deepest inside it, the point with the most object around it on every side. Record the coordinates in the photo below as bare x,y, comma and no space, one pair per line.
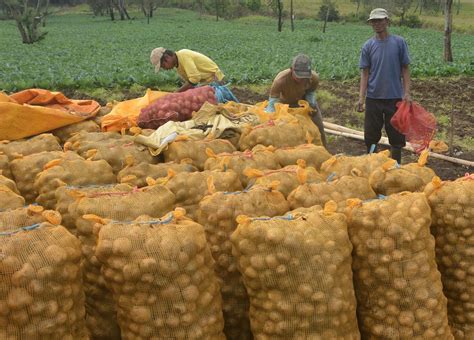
196,68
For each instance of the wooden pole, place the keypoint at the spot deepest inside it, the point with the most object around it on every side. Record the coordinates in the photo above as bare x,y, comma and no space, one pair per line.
451,130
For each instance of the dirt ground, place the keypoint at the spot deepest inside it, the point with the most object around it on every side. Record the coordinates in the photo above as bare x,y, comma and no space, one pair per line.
337,100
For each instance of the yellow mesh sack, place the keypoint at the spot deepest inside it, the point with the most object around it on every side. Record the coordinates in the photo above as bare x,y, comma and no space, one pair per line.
8,183
196,150
5,165
136,175
261,158
41,295
342,165
60,172
297,271
25,169
390,179
43,142
398,287
111,147
66,132
9,199
217,213
288,178
166,287
420,169
338,190
313,155
452,206
120,203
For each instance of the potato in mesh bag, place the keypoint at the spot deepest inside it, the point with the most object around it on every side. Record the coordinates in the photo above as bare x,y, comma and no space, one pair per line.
397,284
452,212
166,287
217,214
5,166
66,132
297,271
342,165
41,295
25,147
420,169
313,155
9,199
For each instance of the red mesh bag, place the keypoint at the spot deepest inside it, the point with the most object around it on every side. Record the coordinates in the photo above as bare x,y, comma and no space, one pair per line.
175,106
417,124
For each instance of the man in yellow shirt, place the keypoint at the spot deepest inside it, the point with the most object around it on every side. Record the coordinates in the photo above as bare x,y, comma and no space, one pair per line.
193,67
297,83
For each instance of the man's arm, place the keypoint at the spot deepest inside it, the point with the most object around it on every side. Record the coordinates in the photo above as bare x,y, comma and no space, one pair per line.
364,80
186,86
406,83
274,97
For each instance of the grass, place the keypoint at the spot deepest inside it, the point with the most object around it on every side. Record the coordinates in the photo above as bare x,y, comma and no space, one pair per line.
86,52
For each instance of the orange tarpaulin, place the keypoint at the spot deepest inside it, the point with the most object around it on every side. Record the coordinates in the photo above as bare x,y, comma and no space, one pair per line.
34,111
124,114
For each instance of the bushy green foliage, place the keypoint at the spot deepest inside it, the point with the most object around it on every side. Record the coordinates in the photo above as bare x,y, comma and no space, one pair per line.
412,21
81,51
333,14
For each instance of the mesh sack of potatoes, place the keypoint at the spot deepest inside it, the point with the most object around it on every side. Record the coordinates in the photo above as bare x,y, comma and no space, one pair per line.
8,183
297,271
25,168
313,155
288,178
41,295
284,132
342,165
160,272
43,142
121,203
67,194
338,190
111,147
452,206
9,198
196,150
420,169
136,174
218,213
397,284
66,132
59,172
390,179
5,166
262,159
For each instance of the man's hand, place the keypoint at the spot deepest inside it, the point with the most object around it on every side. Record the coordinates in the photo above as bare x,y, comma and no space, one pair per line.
407,98
360,105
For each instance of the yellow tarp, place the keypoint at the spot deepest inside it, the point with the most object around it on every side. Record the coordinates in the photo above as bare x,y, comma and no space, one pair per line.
34,111
125,114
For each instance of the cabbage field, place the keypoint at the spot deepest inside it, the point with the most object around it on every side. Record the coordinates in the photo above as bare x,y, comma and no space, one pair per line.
81,51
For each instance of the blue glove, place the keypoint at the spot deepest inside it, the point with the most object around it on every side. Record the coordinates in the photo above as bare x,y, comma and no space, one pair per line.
271,105
310,97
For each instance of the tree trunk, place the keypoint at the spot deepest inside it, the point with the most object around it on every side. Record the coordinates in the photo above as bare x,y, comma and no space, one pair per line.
448,27
217,10
24,37
111,12
358,6
292,17
326,20
280,15
458,7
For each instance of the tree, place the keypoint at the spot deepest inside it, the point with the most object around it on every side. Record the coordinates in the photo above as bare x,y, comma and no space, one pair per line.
29,16
328,10
448,27
148,7
277,8
400,8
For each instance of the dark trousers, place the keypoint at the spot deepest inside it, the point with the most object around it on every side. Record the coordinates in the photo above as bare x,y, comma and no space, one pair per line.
378,113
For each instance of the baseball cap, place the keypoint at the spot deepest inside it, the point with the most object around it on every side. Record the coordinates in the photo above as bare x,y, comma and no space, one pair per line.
378,13
301,66
155,57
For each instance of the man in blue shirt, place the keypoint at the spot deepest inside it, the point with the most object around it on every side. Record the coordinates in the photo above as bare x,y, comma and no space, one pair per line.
384,62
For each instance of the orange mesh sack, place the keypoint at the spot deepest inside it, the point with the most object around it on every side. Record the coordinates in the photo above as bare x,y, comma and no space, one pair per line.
60,172
288,178
342,165
121,203
338,190
313,155
398,287
452,206
218,213
66,132
420,169
5,166
166,287
43,142
190,188
297,271
111,147
136,175
25,169
262,159
196,150
279,133
390,179
41,294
